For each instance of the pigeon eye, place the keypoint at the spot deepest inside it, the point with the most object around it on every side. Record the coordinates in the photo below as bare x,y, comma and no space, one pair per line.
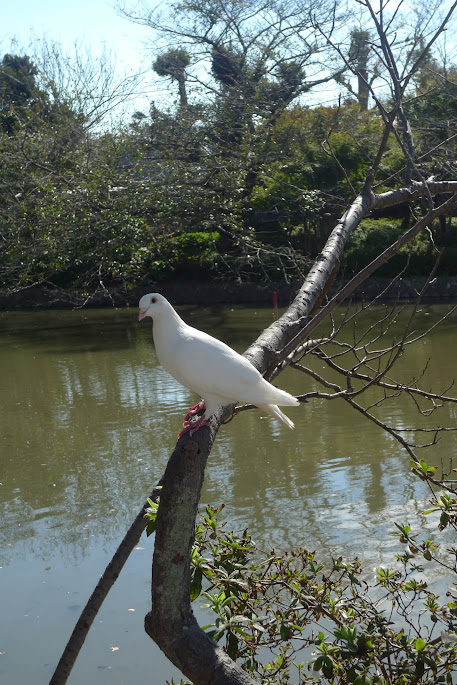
153,300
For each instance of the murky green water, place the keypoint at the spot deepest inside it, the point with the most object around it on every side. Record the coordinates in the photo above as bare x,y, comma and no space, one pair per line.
87,421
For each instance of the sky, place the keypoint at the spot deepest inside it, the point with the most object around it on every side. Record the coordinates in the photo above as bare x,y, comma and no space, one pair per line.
90,22
94,23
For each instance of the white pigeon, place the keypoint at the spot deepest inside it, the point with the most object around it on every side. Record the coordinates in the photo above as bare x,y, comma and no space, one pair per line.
208,367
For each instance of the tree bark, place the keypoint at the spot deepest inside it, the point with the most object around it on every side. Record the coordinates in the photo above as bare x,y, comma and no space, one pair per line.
171,623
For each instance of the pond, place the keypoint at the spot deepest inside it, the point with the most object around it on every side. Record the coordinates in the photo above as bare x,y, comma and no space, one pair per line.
87,422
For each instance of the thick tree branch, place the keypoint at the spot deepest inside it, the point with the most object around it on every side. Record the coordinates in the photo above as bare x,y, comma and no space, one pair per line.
171,622
353,219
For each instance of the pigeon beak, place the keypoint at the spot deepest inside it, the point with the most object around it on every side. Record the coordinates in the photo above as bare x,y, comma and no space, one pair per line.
142,314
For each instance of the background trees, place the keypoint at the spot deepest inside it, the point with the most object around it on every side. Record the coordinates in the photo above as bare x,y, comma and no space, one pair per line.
243,178
58,165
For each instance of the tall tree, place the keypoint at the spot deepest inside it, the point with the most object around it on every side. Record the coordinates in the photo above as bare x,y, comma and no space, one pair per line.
57,168
18,88
250,61
359,53
173,63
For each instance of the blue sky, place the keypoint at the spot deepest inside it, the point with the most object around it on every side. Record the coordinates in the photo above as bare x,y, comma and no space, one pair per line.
93,23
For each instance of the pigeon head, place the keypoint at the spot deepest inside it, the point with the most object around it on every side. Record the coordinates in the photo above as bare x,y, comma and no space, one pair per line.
152,305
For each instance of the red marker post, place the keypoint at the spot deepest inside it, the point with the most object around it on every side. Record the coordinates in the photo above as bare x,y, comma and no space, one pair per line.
275,306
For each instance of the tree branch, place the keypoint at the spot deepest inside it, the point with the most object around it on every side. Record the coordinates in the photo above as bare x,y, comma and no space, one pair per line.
99,594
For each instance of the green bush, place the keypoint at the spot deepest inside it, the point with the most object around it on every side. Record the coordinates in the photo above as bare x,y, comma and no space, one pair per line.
185,255
418,257
270,609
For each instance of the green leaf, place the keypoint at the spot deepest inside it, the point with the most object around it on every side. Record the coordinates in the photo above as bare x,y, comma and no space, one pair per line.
196,584
444,519
284,632
318,664
150,528
420,644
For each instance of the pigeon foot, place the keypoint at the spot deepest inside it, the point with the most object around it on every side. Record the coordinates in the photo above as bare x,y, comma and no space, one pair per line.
192,426
194,410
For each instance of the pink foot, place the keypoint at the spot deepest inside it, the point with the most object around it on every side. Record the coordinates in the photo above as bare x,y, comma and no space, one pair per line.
193,425
194,410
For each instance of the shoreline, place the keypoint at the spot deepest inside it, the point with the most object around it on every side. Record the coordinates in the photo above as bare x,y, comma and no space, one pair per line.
441,289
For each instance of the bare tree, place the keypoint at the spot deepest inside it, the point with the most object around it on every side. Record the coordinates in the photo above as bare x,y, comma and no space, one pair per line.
254,58
90,85
171,623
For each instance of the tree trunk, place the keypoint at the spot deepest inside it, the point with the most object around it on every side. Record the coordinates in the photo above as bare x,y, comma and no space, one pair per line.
171,622
182,90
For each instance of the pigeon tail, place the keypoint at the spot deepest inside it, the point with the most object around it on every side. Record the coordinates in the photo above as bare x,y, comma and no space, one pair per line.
275,411
274,396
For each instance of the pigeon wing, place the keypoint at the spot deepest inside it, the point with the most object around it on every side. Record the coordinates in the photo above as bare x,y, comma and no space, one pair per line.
209,367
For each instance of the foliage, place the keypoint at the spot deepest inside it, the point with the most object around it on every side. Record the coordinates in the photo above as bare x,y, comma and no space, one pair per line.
242,180
286,617
173,63
18,89
187,255
375,235
434,113
61,220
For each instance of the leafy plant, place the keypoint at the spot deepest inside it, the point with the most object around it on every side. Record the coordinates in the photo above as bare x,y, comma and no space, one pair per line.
287,618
